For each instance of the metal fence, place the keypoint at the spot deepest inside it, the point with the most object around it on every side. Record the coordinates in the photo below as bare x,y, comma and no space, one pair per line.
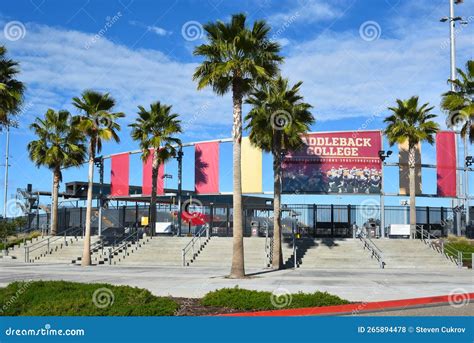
317,220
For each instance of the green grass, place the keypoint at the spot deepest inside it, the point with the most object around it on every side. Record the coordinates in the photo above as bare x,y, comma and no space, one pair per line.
61,298
243,299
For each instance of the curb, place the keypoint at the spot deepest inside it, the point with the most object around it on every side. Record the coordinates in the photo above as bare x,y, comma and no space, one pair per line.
361,307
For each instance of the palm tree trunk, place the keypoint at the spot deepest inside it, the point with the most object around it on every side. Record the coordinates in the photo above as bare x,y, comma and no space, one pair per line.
54,209
238,268
411,165
154,183
277,262
86,252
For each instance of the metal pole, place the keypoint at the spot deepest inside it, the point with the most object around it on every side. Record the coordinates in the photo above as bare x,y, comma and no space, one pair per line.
180,176
5,190
452,78
101,182
466,182
382,206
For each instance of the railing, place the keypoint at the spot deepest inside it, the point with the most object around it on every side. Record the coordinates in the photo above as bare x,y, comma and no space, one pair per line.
373,249
122,245
48,241
196,240
436,243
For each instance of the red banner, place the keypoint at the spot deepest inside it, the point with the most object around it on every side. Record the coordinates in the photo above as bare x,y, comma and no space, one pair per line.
206,167
119,175
147,174
335,162
446,163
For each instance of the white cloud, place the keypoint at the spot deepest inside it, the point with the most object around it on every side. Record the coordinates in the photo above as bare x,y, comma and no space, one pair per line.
56,65
308,11
152,28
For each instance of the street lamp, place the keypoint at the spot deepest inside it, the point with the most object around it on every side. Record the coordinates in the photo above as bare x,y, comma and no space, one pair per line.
99,163
452,19
383,155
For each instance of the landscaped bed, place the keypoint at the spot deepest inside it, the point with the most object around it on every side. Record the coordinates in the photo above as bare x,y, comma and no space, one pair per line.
61,298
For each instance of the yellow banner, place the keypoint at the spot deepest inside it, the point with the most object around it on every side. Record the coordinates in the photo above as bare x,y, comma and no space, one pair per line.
251,168
405,171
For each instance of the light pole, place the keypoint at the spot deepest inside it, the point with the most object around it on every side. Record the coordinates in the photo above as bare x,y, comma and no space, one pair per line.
452,39
5,190
180,176
383,155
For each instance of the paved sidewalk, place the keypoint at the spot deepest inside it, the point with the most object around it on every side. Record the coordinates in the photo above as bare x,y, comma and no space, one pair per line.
354,285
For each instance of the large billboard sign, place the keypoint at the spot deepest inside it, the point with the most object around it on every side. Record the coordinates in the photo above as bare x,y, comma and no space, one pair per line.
335,162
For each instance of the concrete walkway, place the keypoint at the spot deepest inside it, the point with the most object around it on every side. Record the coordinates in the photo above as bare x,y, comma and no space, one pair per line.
354,285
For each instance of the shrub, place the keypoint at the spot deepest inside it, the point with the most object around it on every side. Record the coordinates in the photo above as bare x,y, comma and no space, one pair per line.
243,299
61,298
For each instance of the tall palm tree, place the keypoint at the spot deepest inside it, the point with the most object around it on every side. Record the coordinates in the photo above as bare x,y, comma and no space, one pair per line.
412,123
11,90
460,103
236,57
277,120
59,144
98,123
155,129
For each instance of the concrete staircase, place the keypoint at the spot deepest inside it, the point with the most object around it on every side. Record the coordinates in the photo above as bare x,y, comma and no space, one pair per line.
156,251
40,249
330,253
69,253
411,254
218,253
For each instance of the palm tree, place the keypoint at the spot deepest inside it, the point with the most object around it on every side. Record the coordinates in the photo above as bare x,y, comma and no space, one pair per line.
236,58
11,90
277,120
59,144
411,123
154,129
98,123
460,103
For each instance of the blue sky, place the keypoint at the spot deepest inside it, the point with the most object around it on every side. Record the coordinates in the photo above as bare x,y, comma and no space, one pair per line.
355,58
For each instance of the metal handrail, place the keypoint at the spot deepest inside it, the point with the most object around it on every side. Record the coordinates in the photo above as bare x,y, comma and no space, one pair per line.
123,243
191,244
47,242
452,254
370,245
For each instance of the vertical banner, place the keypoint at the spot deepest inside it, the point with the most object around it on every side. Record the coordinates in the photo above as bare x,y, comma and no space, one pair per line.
206,167
251,168
147,173
335,162
446,163
404,174
119,175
